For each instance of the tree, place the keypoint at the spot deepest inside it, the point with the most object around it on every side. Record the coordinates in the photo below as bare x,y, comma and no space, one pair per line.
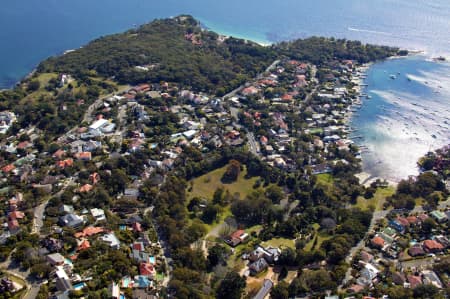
232,172
280,291
231,287
216,255
33,85
275,194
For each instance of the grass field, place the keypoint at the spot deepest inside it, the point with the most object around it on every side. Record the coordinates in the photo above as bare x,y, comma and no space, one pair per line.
205,185
280,243
377,200
320,238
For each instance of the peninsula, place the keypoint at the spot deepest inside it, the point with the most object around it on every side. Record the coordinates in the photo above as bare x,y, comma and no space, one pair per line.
170,161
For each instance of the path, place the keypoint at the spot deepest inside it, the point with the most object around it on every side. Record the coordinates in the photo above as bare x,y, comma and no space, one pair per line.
375,218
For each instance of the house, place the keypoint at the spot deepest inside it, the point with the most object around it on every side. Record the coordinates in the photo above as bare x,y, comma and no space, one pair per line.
270,254
147,269
86,188
13,226
131,194
98,214
138,252
258,266
89,231
366,257
414,281
398,278
142,282
112,240
55,259
59,154
397,225
94,178
431,246
63,284
114,291
8,168
430,277
84,244
236,238
377,242
369,272
83,156
65,163
439,216
52,244
264,290
416,250
71,220
6,285
354,289
66,209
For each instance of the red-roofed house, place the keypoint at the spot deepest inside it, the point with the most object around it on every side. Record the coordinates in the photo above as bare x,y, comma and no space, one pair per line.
236,238
403,221
89,231
263,140
16,215
137,227
59,154
432,246
84,245
24,145
377,242
287,97
412,220
13,226
86,188
65,163
146,269
8,168
414,281
94,178
84,156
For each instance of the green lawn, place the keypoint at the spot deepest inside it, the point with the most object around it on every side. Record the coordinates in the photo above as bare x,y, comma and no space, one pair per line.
280,243
205,185
320,238
325,179
377,200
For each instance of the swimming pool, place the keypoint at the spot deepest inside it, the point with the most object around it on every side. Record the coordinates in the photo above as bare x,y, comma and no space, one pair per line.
79,286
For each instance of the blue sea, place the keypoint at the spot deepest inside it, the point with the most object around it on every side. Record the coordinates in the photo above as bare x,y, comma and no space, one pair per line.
31,30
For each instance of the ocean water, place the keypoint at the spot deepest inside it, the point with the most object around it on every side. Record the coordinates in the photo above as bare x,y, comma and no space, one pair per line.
31,30
405,117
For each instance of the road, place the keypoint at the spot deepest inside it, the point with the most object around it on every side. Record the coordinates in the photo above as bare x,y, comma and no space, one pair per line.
88,114
259,76
375,218
253,145
14,269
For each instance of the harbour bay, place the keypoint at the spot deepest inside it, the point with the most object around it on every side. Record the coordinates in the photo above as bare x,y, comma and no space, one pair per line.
396,127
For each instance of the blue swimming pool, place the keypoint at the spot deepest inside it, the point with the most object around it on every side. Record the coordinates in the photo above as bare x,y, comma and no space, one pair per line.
79,286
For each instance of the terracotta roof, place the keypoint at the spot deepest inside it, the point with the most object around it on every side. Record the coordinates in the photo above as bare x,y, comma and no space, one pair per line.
412,219
403,221
83,156
237,234
138,246
8,168
431,245
378,241
17,215
137,227
146,269
414,280
84,245
89,231
86,188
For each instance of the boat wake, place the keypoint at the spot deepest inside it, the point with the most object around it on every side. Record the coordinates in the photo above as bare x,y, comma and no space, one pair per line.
368,31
